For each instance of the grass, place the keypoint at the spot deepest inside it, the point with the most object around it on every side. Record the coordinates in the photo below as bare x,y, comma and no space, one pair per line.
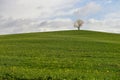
62,55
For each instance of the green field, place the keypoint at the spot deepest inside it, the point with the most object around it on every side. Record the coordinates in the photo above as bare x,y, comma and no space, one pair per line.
62,55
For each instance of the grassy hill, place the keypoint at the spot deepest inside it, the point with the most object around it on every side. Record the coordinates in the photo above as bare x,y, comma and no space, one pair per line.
62,55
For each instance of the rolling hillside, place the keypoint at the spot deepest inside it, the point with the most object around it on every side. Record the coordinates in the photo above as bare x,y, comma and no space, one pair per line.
61,55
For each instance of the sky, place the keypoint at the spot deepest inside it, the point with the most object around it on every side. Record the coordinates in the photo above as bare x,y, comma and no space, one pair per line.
24,16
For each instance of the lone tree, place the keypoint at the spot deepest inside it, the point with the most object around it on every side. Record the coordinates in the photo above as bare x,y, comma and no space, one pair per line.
78,24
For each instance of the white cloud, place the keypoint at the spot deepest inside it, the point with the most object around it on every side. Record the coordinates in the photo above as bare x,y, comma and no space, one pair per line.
45,8
111,23
115,15
34,8
57,24
86,10
109,1
18,16
90,8
10,25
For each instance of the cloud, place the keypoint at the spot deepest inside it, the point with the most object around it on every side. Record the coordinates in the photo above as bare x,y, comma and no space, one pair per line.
34,8
110,23
19,16
57,24
90,8
81,12
115,15
43,10
10,25
109,1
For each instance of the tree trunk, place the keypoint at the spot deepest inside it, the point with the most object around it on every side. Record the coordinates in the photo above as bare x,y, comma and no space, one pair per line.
78,28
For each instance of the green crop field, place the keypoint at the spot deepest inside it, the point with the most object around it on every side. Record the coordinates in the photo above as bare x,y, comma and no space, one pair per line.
60,55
